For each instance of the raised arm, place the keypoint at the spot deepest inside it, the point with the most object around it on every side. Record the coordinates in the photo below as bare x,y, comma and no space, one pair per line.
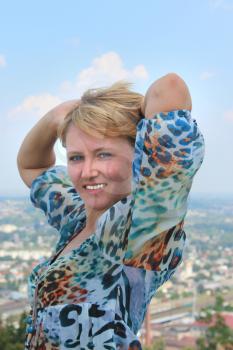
169,150
166,94
36,153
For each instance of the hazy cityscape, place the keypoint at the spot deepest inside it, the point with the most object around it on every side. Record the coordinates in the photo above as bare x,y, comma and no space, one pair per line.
205,273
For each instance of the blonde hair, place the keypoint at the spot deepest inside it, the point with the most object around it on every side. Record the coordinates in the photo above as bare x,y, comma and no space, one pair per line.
113,112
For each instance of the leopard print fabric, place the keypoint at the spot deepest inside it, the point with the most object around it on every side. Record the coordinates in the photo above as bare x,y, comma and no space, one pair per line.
96,296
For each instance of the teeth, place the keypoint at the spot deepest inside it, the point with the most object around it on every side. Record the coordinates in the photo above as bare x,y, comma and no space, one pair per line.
95,187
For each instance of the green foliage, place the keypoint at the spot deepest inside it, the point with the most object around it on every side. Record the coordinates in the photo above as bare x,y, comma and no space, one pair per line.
219,306
174,296
157,345
218,333
187,294
160,294
12,338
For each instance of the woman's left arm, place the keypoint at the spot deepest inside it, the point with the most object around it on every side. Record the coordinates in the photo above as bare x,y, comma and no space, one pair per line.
166,94
169,150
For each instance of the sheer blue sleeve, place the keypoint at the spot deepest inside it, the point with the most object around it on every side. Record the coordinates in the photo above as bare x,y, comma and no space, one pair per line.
169,150
55,195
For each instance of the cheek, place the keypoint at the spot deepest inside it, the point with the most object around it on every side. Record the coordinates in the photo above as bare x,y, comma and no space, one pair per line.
120,171
74,173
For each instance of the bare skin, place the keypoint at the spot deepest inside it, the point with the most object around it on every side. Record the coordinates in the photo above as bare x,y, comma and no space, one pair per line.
36,153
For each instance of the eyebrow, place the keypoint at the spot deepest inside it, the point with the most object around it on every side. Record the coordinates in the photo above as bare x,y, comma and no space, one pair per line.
95,150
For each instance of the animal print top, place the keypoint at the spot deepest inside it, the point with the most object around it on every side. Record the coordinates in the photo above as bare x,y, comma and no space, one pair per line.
96,296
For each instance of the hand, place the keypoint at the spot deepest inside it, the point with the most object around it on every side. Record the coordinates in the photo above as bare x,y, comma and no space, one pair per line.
59,113
142,107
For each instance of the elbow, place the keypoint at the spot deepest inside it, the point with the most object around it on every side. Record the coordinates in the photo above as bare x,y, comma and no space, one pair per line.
18,161
166,94
177,92
173,80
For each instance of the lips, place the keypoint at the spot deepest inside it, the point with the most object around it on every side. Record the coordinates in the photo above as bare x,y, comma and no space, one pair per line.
94,184
94,191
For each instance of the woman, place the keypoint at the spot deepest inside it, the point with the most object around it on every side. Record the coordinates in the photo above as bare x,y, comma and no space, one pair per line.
119,210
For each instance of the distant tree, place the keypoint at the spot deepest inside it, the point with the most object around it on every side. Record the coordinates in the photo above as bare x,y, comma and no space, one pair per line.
196,268
187,294
20,332
219,303
12,338
218,335
174,296
157,345
160,294
219,306
200,288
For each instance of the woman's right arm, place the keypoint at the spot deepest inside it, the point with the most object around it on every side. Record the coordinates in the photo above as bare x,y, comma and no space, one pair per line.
36,153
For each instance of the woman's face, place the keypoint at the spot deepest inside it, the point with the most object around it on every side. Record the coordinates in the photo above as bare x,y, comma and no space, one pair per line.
99,160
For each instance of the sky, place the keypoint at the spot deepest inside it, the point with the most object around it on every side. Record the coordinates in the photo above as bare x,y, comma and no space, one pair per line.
52,51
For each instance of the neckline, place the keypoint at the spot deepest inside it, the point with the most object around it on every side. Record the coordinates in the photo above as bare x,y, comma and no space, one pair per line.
57,256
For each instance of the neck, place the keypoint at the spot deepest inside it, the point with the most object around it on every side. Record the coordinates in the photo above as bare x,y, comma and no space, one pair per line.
92,217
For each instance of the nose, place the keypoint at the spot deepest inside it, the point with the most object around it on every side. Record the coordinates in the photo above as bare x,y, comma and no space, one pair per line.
89,169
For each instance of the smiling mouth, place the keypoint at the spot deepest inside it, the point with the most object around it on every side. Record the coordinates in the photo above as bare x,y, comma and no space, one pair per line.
94,187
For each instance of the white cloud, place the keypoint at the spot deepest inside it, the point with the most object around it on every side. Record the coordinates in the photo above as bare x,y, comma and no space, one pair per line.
207,75
2,61
104,70
228,115
34,105
140,72
226,5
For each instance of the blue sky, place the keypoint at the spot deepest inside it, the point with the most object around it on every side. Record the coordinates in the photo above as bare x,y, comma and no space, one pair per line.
51,51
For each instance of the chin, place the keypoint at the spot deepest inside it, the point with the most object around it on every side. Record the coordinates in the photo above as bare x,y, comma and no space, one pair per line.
100,206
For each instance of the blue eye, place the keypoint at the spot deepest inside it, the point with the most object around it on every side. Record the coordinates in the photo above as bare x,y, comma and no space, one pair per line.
104,154
75,158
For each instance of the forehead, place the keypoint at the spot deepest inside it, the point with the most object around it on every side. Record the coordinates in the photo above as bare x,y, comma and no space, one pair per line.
78,140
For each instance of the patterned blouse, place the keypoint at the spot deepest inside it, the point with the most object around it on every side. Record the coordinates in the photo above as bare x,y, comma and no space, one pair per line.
96,296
